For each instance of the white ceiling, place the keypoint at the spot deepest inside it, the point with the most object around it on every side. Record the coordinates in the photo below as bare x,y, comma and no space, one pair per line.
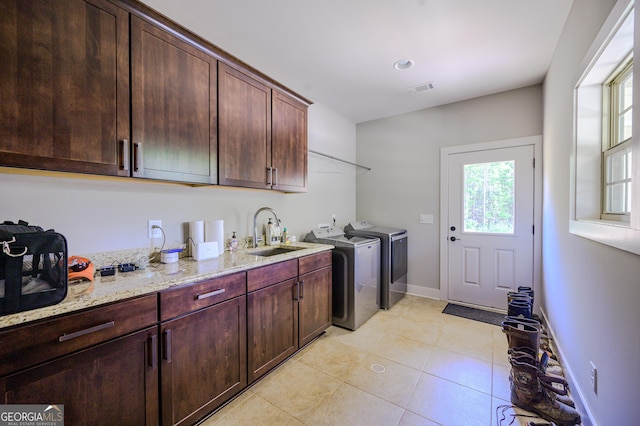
340,53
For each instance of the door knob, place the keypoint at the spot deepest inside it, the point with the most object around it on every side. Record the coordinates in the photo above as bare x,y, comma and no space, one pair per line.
455,239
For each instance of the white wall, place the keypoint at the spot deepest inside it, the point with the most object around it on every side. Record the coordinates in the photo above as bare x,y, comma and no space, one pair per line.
404,154
99,215
591,291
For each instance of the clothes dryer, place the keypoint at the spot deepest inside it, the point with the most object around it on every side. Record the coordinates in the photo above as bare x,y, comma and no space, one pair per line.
393,262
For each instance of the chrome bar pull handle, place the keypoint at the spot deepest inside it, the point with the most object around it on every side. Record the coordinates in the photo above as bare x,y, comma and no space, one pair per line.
270,178
137,158
153,351
167,346
210,294
66,337
123,155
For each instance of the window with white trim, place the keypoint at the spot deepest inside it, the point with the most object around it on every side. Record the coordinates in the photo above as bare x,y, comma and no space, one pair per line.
603,167
616,157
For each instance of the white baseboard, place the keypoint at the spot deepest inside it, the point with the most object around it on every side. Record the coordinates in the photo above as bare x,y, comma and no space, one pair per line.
576,392
416,290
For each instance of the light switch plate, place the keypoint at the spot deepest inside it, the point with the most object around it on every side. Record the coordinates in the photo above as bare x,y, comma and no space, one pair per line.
426,218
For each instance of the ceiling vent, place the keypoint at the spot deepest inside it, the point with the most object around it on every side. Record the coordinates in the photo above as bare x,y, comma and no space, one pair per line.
423,88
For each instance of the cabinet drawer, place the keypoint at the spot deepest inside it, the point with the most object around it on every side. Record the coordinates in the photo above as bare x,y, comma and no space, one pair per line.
314,261
196,296
34,343
265,276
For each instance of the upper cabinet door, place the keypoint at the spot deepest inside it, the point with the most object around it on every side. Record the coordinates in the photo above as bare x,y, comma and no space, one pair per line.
244,130
289,143
174,113
64,86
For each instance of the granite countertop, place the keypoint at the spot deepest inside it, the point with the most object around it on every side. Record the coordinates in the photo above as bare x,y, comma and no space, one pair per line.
157,277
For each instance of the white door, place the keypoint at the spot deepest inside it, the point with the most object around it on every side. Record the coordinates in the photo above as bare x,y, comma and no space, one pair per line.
490,224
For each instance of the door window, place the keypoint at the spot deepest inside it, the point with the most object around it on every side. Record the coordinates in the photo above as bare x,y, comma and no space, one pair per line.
489,197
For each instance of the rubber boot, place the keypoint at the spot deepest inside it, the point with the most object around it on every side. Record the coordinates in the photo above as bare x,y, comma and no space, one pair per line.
530,321
519,296
518,308
527,290
525,355
528,393
521,334
544,337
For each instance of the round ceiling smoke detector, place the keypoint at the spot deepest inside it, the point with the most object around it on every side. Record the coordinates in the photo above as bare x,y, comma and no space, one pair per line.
403,64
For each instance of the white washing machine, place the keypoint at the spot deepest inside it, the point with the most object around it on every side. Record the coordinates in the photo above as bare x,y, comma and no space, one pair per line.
356,275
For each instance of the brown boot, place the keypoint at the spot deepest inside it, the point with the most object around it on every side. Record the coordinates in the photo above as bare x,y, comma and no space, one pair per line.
533,322
528,393
547,380
521,334
524,338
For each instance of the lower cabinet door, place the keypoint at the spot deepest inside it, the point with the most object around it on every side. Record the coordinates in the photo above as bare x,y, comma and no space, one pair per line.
272,324
114,383
204,361
315,304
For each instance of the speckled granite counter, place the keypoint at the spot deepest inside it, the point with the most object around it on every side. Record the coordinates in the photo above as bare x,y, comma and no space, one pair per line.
156,277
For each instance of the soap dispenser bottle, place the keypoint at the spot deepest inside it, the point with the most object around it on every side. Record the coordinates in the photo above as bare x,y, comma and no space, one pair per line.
269,233
233,244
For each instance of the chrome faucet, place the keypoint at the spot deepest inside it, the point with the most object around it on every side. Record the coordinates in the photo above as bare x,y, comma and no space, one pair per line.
255,223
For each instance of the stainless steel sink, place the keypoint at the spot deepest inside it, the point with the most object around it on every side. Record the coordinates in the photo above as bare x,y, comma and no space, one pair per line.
274,251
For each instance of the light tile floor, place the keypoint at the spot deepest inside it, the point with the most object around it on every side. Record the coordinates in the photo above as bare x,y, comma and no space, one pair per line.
410,365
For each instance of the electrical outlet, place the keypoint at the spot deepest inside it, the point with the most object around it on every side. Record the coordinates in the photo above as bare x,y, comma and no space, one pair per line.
593,374
154,233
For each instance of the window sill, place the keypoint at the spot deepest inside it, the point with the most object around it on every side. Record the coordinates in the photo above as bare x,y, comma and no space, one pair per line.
615,234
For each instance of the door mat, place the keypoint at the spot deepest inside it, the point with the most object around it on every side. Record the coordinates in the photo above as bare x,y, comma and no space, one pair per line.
489,317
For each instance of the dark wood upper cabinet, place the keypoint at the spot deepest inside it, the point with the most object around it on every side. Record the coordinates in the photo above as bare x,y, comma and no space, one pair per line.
289,143
114,88
174,111
244,129
64,85
262,134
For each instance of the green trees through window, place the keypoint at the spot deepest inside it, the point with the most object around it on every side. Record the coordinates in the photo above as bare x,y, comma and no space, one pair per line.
489,194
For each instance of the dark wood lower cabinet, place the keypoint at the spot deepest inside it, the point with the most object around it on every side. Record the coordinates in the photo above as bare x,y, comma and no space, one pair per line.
315,304
272,326
114,383
285,311
203,344
203,361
